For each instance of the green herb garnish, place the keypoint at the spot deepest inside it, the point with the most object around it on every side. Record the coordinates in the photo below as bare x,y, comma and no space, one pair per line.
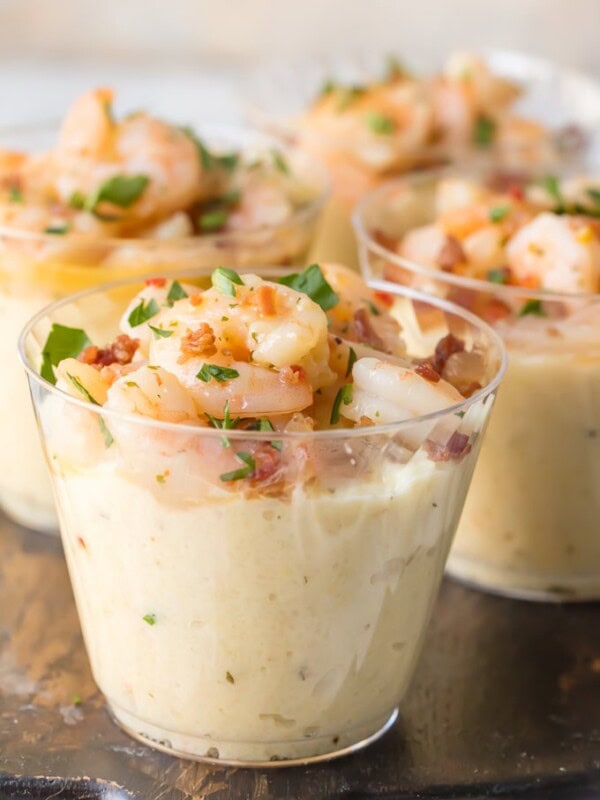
498,213
81,388
346,95
120,190
143,312
225,424
552,185
62,342
532,307
77,200
159,333
280,162
15,195
212,220
497,275
224,279
594,195
59,230
243,472
373,308
76,699
394,68
484,131
327,87
220,374
344,396
380,123
312,282
150,619
229,677
176,292
266,425
228,161
351,361
107,435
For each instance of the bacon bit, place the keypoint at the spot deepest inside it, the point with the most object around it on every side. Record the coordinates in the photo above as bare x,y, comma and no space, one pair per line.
470,389
385,298
451,254
292,374
365,332
199,342
455,449
446,347
121,351
511,183
265,296
159,282
426,370
196,299
495,310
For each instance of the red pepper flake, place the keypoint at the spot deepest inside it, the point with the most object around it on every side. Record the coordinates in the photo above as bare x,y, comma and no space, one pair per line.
81,543
265,295
292,374
455,449
159,282
385,298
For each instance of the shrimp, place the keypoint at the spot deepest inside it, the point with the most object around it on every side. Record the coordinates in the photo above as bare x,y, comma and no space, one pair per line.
152,392
556,252
382,127
264,202
384,392
93,148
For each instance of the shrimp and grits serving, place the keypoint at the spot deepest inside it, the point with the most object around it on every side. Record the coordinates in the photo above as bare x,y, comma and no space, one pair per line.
367,132
258,477
119,196
524,255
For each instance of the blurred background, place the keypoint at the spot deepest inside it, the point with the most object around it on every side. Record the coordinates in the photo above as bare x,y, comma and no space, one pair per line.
166,54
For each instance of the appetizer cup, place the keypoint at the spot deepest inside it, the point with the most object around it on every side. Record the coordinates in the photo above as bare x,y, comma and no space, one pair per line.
256,624
39,268
530,524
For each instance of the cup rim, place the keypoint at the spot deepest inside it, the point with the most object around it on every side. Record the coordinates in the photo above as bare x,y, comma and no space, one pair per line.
337,433
365,239
205,129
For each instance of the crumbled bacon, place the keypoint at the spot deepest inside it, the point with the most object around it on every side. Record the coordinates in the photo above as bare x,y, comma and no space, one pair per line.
426,370
444,349
494,310
509,182
364,330
121,351
198,342
292,374
451,254
159,282
470,389
455,449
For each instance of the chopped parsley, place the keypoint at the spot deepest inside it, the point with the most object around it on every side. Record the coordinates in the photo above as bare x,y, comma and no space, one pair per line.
498,275
532,307
143,312
346,95
120,190
225,424
594,195
229,677
380,123
176,292
498,213
150,619
280,162
159,333
76,699
312,282
224,279
327,87
62,342
227,161
394,68
266,425
81,388
59,229
344,396
77,200
243,472
212,220
373,308
220,374
484,131
107,435
15,195
552,185
351,361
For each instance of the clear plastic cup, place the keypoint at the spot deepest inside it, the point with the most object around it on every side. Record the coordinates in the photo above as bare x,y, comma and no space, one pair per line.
530,524
37,269
256,627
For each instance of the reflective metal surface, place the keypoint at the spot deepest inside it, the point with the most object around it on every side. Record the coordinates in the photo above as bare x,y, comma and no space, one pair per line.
506,702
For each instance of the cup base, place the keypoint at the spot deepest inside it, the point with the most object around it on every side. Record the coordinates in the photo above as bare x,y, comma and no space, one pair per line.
541,588
23,512
251,754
